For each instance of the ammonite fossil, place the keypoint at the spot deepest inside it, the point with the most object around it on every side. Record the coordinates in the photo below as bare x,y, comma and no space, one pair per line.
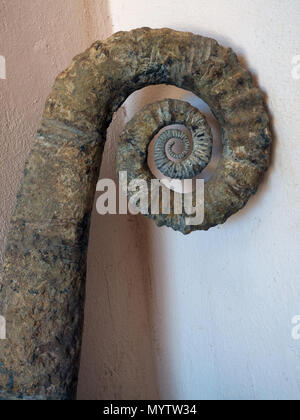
43,278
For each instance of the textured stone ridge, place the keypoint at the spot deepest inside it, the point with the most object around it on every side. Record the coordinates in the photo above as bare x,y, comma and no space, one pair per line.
43,277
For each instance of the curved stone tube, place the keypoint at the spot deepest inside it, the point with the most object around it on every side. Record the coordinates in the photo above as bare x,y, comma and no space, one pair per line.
43,277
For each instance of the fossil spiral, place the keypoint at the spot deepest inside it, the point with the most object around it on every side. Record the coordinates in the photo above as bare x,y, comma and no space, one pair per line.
164,148
43,276
188,163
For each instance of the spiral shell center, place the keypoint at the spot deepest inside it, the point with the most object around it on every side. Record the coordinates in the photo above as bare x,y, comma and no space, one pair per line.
196,148
168,145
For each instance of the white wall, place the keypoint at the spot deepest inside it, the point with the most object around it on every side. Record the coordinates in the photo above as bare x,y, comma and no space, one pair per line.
222,301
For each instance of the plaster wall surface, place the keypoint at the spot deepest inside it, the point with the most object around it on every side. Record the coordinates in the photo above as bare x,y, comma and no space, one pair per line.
38,39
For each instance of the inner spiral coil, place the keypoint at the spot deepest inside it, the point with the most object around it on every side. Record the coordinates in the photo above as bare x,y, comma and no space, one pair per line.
164,153
196,149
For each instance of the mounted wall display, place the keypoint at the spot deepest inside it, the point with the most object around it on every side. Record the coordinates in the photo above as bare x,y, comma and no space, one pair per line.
43,277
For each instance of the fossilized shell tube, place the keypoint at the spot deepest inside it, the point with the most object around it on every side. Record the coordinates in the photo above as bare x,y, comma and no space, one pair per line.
43,278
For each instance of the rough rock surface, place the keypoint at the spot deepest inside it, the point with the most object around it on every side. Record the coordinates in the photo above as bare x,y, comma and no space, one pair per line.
43,277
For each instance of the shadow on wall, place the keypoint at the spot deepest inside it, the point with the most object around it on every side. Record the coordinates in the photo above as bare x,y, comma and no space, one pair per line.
117,357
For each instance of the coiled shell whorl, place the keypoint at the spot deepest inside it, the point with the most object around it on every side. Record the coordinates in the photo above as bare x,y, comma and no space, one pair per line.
197,149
